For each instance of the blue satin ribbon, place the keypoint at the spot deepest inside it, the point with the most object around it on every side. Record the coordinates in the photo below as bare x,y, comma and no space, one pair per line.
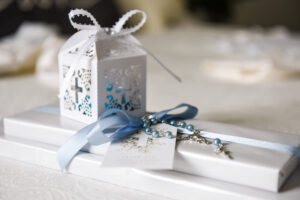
115,124
247,141
112,125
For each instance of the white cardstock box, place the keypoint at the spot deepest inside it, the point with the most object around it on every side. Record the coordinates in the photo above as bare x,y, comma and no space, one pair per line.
250,166
110,73
166,183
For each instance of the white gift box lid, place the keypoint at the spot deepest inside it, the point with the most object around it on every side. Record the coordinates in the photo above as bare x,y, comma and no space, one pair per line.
167,183
256,167
100,50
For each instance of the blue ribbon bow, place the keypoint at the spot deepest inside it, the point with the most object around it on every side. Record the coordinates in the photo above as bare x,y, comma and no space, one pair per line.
113,125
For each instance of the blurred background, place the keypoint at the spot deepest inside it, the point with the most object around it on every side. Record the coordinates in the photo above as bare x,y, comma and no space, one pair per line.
239,59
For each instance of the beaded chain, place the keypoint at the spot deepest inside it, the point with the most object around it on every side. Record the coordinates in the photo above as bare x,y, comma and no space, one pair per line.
195,135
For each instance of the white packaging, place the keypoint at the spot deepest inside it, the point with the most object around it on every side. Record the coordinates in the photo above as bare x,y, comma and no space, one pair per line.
256,167
166,183
109,72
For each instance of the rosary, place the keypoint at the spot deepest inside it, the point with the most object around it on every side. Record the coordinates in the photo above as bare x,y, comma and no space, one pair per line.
187,132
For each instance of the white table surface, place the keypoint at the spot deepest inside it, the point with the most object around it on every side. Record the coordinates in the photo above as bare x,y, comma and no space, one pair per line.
273,105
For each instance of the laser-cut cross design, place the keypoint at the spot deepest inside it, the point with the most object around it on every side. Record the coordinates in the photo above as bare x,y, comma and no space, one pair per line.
76,88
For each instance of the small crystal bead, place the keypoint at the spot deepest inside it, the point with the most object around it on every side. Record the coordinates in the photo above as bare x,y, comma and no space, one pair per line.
173,123
153,120
168,134
148,130
146,124
217,142
145,119
150,117
155,134
182,124
164,121
190,127
109,31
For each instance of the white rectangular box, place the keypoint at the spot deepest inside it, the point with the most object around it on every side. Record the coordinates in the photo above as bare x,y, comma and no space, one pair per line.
168,183
110,73
250,166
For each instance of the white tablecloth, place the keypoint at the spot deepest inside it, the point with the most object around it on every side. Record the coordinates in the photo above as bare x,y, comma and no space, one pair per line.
270,105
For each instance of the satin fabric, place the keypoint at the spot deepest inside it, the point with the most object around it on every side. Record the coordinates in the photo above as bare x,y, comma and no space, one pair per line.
112,125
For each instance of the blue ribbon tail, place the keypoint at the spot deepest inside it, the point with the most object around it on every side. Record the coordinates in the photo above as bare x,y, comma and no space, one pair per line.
70,149
113,121
189,113
72,146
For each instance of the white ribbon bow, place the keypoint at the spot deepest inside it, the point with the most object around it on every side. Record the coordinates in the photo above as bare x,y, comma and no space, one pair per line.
116,30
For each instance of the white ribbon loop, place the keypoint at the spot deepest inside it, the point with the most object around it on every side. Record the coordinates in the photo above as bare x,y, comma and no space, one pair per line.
118,27
84,13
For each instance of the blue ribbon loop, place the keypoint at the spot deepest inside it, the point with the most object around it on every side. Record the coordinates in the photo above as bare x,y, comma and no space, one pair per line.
112,125
189,113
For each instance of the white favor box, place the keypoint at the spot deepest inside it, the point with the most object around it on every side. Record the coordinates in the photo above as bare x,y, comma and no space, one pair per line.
110,73
168,183
250,166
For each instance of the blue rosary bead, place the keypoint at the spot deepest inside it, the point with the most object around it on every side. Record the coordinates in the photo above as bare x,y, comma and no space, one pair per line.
173,123
146,125
145,120
164,121
190,127
155,134
148,130
217,142
153,120
150,117
168,134
182,124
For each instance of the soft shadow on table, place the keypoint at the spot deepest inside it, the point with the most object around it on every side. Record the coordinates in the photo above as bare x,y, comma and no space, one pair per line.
292,182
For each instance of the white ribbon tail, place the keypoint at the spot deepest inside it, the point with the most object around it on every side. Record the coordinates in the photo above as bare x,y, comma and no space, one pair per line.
156,59
161,64
118,27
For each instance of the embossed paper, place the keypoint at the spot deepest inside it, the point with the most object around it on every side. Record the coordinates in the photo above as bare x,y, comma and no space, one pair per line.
109,74
143,151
